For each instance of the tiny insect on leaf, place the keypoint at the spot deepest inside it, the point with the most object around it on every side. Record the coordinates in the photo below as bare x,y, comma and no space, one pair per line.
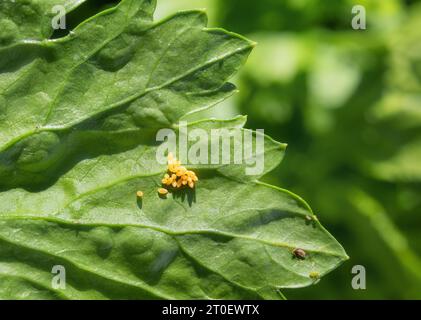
299,253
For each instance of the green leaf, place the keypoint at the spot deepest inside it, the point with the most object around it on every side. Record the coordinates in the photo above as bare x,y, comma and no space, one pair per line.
77,141
29,20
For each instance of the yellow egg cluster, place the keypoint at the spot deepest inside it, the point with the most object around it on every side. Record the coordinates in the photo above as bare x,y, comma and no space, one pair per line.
178,176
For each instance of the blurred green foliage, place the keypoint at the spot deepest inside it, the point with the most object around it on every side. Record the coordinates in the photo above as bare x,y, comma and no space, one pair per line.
348,103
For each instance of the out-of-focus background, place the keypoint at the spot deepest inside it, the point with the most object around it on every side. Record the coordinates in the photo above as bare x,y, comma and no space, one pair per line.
348,103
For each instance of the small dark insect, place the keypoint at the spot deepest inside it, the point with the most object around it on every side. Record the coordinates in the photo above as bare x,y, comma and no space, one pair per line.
299,253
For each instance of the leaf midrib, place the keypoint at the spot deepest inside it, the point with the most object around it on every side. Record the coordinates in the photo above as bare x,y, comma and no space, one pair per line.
166,231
